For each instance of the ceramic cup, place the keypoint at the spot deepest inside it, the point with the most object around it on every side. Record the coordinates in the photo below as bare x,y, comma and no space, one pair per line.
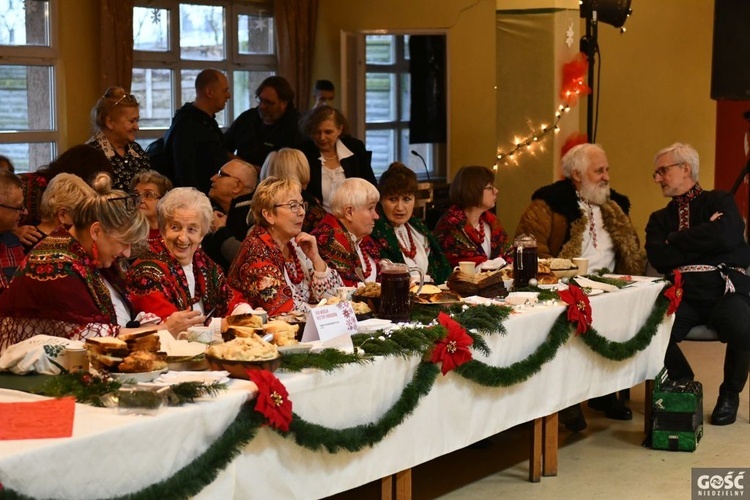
202,334
582,264
466,267
75,360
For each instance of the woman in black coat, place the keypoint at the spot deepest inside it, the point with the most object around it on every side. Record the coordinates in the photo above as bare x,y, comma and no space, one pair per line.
333,155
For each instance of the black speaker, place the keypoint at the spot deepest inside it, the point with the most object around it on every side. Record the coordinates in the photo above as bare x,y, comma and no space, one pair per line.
730,69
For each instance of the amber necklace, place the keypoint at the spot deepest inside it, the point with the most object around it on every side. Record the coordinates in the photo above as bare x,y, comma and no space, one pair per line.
411,251
293,265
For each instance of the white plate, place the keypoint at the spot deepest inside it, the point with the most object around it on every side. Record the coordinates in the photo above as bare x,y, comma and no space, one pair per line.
372,325
137,377
207,377
553,286
595,291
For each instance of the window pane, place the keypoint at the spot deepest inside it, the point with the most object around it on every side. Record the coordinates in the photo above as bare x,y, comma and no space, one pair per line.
24,23
382,143
26,94
28,157
405,90
380,98
405,148
150,29
255,33
243,92
202,32
380,49
153,88
187,83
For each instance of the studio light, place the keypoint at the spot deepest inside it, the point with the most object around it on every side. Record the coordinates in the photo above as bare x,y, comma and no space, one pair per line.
612,12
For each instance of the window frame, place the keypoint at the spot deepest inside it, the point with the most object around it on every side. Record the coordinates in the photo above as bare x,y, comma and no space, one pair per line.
234,61
38,55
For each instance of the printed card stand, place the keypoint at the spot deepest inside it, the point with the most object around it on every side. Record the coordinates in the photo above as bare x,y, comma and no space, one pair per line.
333,325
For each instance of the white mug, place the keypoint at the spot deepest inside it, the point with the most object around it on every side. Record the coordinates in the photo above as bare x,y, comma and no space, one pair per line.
582,265
345,292
466,267
202,334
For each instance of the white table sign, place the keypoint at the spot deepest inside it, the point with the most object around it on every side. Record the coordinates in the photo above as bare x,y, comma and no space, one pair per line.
328,322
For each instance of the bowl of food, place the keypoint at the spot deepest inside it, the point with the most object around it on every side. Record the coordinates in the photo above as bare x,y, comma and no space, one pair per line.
242,354
370,295
563,268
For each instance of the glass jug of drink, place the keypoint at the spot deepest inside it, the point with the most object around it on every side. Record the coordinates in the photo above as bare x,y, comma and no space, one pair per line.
524,260
395,282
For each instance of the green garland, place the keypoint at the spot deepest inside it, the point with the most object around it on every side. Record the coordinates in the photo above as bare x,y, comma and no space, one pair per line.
411,341
326,360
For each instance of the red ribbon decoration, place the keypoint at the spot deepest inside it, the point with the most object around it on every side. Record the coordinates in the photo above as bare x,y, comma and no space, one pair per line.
579,308
273,399
674,293
452,350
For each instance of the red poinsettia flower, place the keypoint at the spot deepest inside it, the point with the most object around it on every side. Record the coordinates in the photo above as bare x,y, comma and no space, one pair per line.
674,293
453,349
579,308
273,399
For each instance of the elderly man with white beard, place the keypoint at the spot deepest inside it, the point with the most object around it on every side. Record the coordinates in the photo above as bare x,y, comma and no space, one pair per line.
580,216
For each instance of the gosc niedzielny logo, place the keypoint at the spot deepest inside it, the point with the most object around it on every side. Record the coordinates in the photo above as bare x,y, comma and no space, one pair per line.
719,483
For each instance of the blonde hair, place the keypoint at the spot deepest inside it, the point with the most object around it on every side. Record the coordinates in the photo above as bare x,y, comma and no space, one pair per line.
66,191
112,210
113,98
162,183
266,194
287,163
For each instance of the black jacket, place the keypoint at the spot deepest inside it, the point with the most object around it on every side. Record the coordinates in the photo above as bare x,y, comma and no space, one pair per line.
253,140
357,165
236,227
195,142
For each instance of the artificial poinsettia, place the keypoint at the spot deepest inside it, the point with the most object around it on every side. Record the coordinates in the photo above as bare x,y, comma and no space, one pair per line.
674,293
579,308
453,349
273,399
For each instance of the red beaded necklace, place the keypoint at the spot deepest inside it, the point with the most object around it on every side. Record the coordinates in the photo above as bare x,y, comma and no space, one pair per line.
476,235
410,252
293,265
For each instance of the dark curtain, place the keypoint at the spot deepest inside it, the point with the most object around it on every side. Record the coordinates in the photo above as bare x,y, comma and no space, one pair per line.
428,103
295,38
116,21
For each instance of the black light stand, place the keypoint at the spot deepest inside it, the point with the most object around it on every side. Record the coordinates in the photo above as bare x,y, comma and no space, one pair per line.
590,46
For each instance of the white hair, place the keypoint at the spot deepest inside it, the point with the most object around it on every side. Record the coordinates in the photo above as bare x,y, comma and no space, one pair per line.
353,192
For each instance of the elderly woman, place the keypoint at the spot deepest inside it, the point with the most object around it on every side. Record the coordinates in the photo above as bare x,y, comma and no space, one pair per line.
176,280
279,267
288,163
469,230
401,236
82,160
150,186
333,154
344,235
115,119
70,284
64,193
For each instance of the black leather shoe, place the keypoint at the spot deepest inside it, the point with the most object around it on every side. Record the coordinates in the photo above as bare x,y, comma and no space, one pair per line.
572,418
612,407
725,412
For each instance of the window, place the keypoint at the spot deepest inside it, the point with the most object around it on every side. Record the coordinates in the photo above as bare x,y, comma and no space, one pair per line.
174,41
28,58
388,101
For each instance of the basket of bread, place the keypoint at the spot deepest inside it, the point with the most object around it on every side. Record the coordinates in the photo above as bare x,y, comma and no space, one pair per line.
370,295
244,353
432,295
562,268
128,353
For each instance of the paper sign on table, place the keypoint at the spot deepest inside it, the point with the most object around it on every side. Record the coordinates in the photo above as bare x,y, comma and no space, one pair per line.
328,322
51,418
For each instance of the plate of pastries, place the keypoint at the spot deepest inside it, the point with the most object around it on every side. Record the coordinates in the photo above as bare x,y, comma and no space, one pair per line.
132,356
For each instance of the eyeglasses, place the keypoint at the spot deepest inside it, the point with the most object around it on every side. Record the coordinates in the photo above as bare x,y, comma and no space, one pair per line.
221,173
147,195
661,171
131,201
267,102
294,206
20,209
490,188
126,97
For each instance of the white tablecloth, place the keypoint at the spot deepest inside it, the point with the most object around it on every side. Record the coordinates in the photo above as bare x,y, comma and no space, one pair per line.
111,454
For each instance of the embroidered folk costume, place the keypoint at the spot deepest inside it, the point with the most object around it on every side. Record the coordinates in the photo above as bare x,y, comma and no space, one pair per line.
338,248
462,242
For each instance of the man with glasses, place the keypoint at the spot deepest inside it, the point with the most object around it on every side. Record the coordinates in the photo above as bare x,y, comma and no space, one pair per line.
581,216
700,235
232,190
194,141
270,126
11,209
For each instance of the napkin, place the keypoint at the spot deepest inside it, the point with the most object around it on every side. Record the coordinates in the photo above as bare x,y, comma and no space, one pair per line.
596,285
205,377
491,265
41,353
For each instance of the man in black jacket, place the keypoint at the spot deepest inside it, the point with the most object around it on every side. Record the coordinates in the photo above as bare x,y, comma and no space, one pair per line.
195,139
700,234
270,126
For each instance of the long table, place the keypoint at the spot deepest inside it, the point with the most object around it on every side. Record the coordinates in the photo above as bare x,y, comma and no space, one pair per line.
111,455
